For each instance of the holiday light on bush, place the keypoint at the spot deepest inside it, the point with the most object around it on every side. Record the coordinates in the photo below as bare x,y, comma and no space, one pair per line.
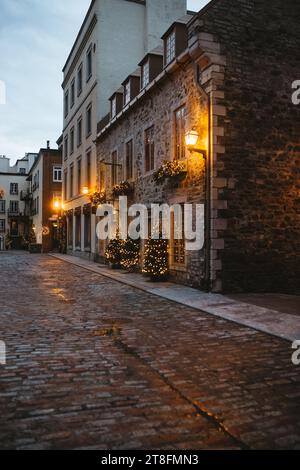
113,252
156,259
170,170
130,254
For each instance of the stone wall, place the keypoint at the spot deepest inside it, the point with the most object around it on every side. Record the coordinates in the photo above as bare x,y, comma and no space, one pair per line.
157,108
257,172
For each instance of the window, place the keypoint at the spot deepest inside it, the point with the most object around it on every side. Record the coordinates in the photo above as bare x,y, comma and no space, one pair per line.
66,103
149,149
129,160
79,80
70,231
88,169
127,93
87,231
65,185
178,256
36,181
171,48
2,225
114,107
180,120
57,174
114,168
72,141
89,120
79,176
79,132
73,93
2,206
89,64
22,171
71,180
37,205
66,150
14,207
146,74
78,232
14,189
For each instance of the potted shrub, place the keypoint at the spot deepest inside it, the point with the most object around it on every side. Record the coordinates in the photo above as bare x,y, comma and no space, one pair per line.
170,170
123,189
130,254
156,259
113,252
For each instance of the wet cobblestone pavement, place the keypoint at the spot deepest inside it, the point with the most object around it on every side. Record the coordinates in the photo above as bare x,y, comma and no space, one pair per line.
92,363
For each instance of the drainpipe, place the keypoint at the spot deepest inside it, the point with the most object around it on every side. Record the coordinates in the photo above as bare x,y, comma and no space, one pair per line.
207,268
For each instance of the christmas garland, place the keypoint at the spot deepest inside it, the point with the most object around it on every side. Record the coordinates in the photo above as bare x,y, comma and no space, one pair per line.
170,169
122,189
98,198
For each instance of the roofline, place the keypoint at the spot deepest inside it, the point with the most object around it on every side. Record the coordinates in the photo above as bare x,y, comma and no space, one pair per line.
78,35
41,152
203,11
2,173
151,53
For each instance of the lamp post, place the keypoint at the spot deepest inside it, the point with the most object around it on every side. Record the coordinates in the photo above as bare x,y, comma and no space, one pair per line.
191,140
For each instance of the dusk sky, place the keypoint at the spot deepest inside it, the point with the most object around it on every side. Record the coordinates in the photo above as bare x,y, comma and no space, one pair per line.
35,38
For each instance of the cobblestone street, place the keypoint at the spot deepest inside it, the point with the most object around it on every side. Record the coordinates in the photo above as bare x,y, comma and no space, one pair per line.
92,363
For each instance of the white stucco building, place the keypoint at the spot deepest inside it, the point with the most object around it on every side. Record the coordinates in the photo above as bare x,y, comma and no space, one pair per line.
13,188
114,37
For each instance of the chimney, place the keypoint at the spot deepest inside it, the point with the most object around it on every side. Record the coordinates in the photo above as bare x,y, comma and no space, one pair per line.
48,144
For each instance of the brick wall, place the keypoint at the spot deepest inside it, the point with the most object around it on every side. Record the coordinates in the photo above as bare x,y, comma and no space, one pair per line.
256,175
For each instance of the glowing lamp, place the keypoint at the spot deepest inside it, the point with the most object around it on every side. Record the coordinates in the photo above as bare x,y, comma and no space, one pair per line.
191,138
85,191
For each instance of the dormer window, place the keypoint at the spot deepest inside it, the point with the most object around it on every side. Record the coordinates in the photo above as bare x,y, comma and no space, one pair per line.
151,67
175,41
131,87
170,47
127,93
116,103
114,107
145,74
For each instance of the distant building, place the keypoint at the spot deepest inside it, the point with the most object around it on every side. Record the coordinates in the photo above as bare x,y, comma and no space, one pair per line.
114,36
45,197
14,220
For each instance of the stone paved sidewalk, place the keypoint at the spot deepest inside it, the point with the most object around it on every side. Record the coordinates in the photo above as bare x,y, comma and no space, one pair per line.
93,363
268,320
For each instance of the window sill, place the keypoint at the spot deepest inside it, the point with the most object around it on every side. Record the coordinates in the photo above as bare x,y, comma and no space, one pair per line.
178,268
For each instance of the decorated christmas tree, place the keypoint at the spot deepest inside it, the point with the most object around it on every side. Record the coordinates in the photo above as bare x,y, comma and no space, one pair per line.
156,259
113,252
130,254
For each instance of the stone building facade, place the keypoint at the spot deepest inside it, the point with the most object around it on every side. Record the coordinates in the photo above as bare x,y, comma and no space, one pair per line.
235,80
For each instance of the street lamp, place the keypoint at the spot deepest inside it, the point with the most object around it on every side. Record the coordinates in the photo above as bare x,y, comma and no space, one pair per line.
191,139
85,191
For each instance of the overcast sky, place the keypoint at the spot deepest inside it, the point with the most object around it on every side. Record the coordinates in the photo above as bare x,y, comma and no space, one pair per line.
35,38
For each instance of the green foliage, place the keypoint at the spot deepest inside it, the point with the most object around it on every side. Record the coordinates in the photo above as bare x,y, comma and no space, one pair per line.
170,169
156,263
130,254
98,198
122,189
113,251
